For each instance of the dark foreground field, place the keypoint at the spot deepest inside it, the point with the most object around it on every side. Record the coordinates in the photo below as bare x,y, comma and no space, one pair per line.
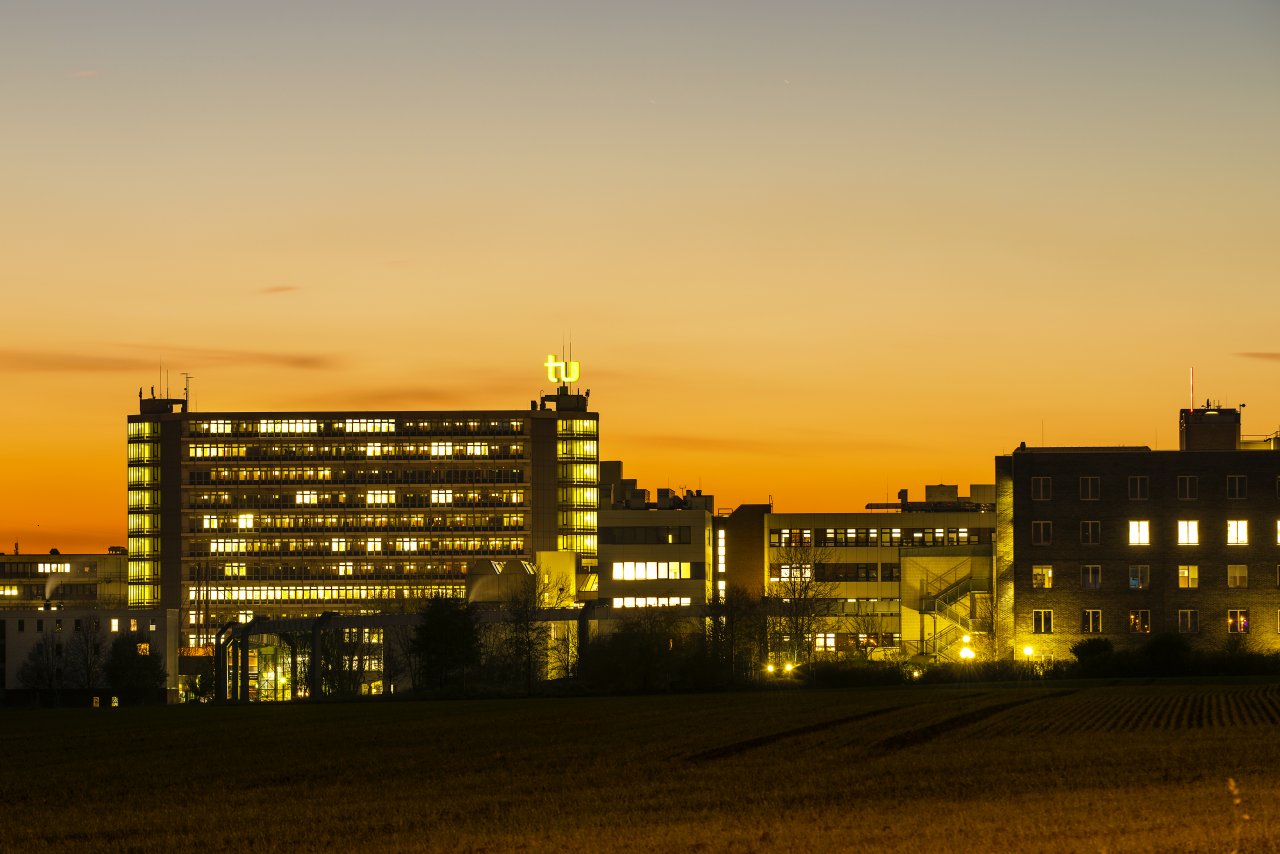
1040,767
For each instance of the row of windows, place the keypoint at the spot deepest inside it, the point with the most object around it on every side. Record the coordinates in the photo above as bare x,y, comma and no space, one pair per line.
636,535
650,601
436,497
307,426
337,545
249,521
434,450
202,572
200,477
869,537
836,571
1139,621
80,625
1139,487
639,570
313,593
1188,532
1140,576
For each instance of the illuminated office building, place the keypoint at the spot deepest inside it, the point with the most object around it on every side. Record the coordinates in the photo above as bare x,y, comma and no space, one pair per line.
235,514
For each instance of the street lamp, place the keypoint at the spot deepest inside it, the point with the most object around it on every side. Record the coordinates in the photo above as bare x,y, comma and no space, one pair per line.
1028,652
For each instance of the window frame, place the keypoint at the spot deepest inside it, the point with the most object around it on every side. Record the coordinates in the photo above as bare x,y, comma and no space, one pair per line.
1141,574
1041,532
1188,486
1190,574
1091,532
1042,580
1139,487
1140,621
1087,571
1091,621
1041,488
1139,532
1090,487
1042,621
1237,572
1237,487
1237,617
1191,624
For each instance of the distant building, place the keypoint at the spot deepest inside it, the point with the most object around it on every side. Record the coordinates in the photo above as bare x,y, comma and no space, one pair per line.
916,579
1124,543
655,553
30,582
288,515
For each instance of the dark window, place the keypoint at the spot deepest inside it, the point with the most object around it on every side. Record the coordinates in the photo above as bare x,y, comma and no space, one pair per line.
1237,486
1041,533
1188,487
1090,488
1041,488
1139,487
1091,533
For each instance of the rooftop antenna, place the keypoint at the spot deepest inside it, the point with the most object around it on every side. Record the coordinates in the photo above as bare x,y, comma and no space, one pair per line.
1193,388
186,391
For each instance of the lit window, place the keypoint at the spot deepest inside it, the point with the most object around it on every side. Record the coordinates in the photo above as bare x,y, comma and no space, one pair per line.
374,544
1188,621
1238,621
1139,577
1139,532
1042,622
1188,532
245,520
1090,621
1237,575
1041,577
381,496
1091,577
208,522
1188,576
1238,532
306,497
115,624
1041,533
1090,533
1140,622
1041,488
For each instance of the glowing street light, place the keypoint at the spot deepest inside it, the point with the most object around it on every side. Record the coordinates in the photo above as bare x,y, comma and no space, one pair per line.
967,654
965,640
1028,652
769,668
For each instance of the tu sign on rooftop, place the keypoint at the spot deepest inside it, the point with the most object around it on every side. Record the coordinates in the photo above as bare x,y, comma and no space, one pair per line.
561,370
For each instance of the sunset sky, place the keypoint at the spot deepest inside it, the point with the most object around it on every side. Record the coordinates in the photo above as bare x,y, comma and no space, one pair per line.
818,251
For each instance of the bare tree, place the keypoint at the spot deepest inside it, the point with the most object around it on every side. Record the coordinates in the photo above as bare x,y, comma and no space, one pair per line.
526,633
86,655
799,604
866,631
738,633
42,669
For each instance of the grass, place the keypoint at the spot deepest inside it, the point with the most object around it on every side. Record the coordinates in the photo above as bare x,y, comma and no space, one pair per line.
1030,767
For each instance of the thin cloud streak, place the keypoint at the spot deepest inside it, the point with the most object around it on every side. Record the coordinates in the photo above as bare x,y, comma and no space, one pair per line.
1266,357
36,362
279,289
194,355
408,398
